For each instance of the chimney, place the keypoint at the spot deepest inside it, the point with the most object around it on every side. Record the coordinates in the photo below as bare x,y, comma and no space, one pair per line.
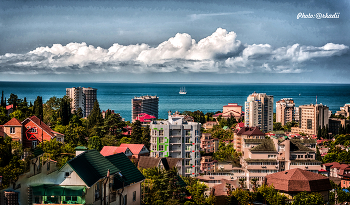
79,150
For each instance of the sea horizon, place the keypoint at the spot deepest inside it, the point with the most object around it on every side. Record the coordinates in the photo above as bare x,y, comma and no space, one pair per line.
206,97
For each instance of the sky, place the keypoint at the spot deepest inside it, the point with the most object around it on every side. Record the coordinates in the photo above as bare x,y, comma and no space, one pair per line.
260,41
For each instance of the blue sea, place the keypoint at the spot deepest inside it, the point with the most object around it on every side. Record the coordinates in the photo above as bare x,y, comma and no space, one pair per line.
206,97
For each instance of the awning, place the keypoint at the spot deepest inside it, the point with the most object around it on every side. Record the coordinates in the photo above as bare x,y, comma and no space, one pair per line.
55,190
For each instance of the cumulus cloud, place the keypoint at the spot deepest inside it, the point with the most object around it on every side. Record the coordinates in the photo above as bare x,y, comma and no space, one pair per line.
220,52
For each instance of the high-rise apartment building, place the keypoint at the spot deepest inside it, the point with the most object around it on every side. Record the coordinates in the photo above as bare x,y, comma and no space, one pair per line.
144,104
285,111
259,111
312,117
177,138
83,98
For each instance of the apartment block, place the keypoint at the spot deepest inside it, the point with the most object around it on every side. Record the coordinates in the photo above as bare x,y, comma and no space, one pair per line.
259,111
144,104
265,156
209,144
230,110
312,117
285,111
246,133
177,138
344,111
83,98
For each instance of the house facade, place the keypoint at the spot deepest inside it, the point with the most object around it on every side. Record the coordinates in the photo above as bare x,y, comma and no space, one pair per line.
89,178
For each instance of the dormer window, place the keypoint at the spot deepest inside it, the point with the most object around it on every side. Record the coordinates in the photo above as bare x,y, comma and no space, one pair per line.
66,174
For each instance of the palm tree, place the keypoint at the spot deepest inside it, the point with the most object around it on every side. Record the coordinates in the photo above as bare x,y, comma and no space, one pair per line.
254,183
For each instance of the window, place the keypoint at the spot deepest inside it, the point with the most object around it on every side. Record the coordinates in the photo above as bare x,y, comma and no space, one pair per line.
153,132
48,166
134,196
37,199
160,154
12,130
33,130
187,162
71,198
97,191
161,132
188,155
125,200
309,124
188,170
187,140
153,140
59,139
66,174
161,147
188,132
154,147
161,139
34,144
188,147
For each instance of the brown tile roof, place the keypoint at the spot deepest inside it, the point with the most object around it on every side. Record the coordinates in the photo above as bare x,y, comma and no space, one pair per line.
250,131
298,180
148,162
332,164
220,189
13,122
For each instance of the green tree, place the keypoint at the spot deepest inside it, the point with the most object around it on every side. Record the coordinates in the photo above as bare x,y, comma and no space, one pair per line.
64,111
14,100
18,114
3,116
136,134
95,143
197,191
3,101
304,198
50,111
95,119
254,183
125,140
38,107
271,195
226,152
277,126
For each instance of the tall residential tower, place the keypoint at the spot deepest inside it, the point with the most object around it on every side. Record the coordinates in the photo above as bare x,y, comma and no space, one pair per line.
259,111
285,111
83,98
144,104
177,138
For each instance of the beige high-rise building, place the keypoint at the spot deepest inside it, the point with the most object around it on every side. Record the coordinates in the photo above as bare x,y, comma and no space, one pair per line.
311,117
144,104
259,111
285,111
83,98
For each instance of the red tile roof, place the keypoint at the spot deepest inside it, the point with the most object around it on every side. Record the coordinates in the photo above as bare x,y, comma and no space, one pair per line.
9,107
220,189
298,180
134,148
144,117
41,124
13,122
111,150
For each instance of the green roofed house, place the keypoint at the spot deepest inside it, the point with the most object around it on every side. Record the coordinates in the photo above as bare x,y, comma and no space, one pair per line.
88,178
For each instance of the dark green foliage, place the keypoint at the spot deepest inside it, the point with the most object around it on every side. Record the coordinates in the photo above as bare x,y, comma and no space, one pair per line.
277,126
218,132
198,116
51,111
226,152
304,198
65,110
57,151
14,100
136,134
162,186
38,107
3,101
3,116
95,118
95,143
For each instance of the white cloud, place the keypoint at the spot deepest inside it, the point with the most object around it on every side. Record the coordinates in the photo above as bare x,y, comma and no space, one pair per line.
220,52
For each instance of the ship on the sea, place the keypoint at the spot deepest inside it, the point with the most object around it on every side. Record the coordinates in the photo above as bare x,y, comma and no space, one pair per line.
182,91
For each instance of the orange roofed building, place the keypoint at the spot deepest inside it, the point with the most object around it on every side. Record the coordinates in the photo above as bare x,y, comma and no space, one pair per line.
30,132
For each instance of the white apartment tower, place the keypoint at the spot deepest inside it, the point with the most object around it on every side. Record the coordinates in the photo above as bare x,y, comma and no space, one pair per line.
259,111
83,98
177,138
285,111
144,104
